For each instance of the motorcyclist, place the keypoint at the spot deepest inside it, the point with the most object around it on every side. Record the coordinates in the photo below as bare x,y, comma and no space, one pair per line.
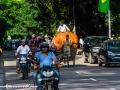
45,57
23,49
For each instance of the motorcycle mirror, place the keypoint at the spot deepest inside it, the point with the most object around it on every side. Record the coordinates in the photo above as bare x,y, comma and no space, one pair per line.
35,58
53,62
28,58
18,58
38,50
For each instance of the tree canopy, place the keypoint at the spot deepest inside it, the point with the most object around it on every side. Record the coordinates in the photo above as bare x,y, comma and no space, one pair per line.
24,17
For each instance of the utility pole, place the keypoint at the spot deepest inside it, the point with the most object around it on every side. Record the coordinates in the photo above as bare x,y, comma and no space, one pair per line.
74,28
109,27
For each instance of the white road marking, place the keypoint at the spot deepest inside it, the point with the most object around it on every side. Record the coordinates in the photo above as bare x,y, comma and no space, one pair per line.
112,89
11,73
78,72
67,68
93,79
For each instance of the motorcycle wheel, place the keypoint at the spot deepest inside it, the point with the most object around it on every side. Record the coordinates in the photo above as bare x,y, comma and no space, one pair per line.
24,72
50,87
67,61
34,85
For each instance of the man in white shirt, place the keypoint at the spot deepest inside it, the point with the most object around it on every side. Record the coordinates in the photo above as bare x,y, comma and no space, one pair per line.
81,42
22,49
62,28
113,37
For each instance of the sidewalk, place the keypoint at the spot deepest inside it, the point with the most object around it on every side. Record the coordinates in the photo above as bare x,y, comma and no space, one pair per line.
2,73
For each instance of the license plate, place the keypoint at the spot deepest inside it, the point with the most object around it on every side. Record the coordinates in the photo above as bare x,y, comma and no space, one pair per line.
23,61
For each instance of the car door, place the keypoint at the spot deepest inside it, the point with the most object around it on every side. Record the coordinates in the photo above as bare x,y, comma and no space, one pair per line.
103,50
86,44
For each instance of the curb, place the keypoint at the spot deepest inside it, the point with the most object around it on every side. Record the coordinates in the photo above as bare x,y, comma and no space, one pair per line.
2,74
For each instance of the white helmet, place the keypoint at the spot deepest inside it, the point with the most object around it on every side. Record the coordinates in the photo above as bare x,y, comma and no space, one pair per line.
23,40
113,35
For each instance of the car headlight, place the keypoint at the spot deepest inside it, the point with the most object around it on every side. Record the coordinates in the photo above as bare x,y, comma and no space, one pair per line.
48,73
95,50
110,53
23,58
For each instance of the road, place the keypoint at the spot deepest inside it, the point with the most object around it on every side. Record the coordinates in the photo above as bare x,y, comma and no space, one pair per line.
83,76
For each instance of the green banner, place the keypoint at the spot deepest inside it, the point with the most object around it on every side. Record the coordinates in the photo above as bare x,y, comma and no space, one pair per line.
103,6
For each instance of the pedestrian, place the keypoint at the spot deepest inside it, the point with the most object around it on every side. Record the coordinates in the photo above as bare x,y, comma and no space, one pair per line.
81,42
113,37
49,41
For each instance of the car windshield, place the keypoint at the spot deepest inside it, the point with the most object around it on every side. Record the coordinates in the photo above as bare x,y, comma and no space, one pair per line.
113,45
8,42
98,40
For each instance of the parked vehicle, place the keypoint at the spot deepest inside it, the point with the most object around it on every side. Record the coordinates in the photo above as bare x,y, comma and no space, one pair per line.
14,46
91,48
14,41
8,45
109,53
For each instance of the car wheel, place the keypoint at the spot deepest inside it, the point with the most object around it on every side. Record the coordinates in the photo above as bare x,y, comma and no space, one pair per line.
106,63
90,59
84,58
99,62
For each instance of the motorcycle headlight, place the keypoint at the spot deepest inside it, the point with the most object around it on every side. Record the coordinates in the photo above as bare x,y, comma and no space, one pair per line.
95,50
48,73
110,53
23,58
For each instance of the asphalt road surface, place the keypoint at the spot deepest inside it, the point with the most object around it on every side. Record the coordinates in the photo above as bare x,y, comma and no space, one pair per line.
83,76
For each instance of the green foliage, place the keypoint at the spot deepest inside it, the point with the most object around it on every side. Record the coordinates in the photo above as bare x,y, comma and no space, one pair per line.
23,17
18,15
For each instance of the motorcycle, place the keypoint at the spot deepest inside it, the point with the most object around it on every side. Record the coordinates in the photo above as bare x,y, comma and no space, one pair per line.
47,77
24,68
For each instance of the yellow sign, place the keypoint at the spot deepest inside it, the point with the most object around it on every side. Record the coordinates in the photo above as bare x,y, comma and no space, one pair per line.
103,1
0,50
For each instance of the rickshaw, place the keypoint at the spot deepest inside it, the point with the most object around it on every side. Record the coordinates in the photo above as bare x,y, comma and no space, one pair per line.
65,58
57,43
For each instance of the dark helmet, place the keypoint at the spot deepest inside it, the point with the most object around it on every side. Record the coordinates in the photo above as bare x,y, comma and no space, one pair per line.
44,45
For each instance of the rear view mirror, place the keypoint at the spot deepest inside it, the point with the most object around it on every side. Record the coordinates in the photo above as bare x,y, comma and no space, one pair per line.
101,50
28,58
34,58
18,58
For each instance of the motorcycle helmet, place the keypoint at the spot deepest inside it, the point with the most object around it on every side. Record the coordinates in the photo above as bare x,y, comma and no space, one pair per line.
44,45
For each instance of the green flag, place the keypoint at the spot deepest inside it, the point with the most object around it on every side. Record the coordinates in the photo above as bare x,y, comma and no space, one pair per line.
103,6
118,17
